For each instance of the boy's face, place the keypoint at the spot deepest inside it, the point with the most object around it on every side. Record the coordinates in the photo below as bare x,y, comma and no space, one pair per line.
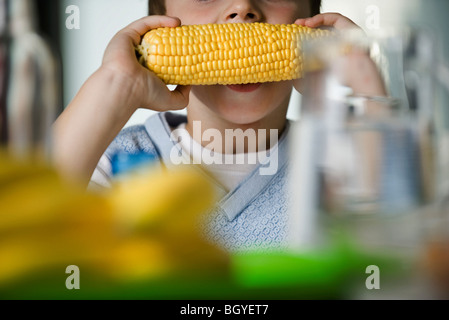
228,11
242,104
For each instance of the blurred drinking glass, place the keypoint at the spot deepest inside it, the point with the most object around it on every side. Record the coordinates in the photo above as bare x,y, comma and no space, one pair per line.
364,155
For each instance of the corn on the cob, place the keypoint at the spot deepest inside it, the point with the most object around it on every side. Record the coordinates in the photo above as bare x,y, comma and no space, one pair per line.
235,53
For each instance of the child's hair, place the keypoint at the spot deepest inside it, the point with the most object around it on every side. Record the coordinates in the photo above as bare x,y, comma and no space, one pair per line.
158,7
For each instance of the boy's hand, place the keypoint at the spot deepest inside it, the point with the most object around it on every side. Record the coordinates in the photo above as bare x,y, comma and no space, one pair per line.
115,91
357,70
146,89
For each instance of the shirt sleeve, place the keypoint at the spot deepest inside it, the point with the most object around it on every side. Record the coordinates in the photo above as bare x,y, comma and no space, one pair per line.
102,176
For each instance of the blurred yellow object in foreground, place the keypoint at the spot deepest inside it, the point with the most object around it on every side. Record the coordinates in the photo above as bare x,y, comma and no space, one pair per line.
144,228
143,199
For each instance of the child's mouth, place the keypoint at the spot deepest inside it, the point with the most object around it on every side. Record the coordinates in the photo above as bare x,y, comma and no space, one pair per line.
244,87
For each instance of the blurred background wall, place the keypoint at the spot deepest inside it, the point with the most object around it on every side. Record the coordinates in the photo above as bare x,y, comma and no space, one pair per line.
82,49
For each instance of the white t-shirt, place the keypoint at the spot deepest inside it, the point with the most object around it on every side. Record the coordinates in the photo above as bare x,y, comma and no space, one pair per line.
228,169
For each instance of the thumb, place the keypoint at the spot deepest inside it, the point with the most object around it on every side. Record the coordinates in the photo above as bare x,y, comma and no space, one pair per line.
179,97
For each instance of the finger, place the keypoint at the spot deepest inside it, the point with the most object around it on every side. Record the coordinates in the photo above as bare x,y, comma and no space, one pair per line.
136,29
129,37
301,22
334,20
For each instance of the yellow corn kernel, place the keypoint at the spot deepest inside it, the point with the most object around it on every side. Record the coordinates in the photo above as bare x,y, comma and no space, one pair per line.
234,53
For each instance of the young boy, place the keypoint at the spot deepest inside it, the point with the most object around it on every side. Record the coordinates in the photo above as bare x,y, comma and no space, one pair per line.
252,211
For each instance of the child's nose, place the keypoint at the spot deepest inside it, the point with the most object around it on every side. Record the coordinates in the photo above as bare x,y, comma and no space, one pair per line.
242,11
